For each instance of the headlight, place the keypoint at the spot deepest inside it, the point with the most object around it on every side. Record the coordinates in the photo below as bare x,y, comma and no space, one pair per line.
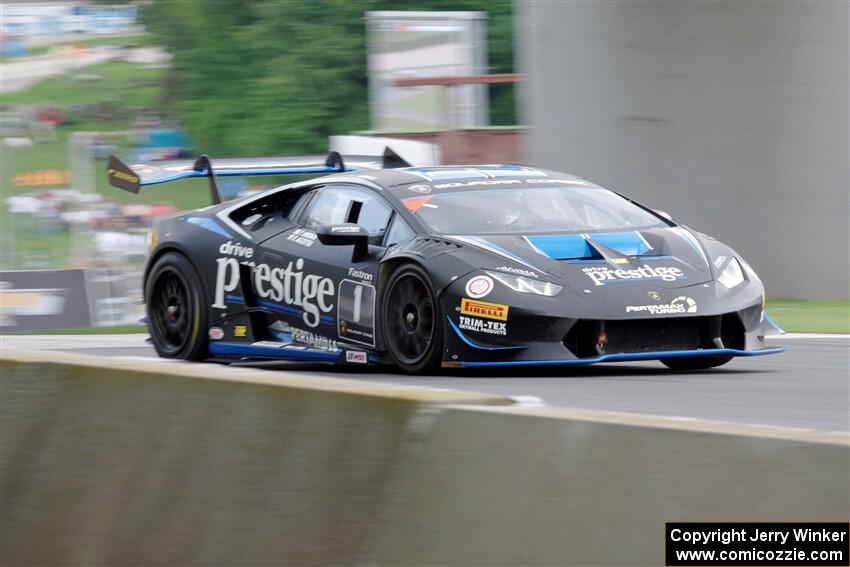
527,285
751,273
732,274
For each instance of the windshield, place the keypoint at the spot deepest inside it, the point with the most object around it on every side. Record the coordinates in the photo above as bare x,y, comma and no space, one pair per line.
528,211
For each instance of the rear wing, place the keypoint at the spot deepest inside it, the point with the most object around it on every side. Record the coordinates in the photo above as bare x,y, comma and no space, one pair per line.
132,177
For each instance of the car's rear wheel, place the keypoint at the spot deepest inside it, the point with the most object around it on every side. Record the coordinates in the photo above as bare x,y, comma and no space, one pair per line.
695,362
412,320
176,317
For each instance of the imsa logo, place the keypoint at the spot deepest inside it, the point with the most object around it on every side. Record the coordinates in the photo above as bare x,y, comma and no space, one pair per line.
484,309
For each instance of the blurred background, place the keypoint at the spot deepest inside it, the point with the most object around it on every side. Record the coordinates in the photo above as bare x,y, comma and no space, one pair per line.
731,116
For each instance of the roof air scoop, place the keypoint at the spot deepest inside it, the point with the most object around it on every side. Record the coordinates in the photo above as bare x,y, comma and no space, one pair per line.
392,160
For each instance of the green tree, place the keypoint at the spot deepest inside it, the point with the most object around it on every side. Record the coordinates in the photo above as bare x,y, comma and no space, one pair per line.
280,76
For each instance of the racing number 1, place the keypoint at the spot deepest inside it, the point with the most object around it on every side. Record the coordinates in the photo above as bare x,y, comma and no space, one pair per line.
358,300
356,315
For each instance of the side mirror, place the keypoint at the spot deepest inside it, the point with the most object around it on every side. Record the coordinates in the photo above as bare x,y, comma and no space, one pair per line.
664,214
347,234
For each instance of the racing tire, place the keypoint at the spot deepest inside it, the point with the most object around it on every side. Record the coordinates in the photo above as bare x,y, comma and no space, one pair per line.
695,362
176,318
411,320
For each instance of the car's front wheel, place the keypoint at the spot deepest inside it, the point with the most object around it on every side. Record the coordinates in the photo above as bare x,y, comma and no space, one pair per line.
176,317
695,362
412,320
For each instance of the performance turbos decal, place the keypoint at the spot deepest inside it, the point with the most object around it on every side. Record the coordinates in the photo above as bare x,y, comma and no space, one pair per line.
287,285
681,304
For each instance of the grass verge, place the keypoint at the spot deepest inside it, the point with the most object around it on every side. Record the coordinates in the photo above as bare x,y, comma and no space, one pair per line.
810,316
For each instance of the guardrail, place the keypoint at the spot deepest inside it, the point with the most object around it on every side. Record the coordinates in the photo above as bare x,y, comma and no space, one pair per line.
116,462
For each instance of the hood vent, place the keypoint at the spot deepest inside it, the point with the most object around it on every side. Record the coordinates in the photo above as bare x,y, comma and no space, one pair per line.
582,246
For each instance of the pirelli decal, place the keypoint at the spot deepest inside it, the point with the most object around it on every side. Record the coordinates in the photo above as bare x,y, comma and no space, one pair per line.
484,309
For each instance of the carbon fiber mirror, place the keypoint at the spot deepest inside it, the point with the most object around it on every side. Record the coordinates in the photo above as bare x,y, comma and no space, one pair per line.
347,234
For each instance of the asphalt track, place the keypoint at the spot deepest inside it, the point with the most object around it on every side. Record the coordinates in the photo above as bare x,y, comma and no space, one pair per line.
808,386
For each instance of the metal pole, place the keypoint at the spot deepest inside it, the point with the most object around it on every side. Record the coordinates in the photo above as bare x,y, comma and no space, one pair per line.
8,260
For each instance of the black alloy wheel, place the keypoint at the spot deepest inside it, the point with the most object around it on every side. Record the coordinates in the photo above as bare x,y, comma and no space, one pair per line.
176,318
412,324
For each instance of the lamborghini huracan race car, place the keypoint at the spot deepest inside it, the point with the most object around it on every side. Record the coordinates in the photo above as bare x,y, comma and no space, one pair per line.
421,267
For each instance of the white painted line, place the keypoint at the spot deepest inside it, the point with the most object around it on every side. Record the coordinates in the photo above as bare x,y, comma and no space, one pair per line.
62,342
528,401
809,336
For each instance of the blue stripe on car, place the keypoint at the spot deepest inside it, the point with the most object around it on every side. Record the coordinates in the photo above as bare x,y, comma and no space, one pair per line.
576,246
208,224
630,356
277,353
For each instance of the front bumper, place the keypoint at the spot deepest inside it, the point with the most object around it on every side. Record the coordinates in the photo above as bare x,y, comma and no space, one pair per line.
550,331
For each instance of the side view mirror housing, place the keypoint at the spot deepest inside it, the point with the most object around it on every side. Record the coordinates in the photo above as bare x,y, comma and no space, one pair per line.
347,234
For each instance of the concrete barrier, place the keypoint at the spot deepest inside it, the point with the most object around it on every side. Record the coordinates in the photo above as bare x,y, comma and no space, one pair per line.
113,462
550,486
107,462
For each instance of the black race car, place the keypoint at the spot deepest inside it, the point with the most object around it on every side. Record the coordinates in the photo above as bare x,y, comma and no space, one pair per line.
459,266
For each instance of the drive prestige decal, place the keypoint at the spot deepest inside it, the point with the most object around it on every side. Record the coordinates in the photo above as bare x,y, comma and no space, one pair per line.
681,304
290,285
602,274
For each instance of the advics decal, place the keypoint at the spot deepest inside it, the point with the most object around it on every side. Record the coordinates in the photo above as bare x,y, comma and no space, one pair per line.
601,274
479,286
517,271
681,304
